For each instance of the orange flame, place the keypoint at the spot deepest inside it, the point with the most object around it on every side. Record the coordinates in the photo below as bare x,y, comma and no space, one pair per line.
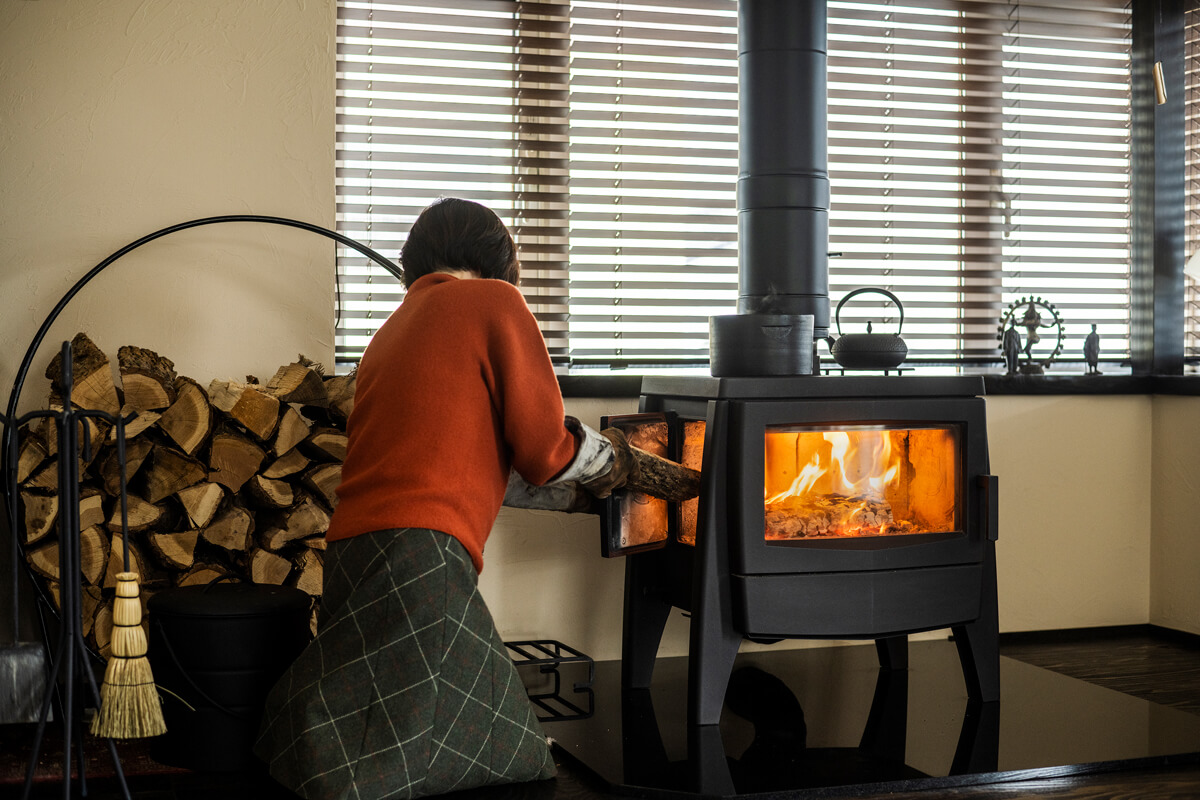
861,481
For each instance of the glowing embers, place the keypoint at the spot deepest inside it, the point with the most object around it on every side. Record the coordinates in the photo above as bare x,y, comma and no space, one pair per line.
860,480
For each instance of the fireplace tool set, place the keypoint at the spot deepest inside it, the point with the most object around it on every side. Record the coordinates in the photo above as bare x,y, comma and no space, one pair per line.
71,658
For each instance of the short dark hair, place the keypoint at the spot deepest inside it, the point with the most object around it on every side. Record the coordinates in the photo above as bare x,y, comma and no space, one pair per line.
452,233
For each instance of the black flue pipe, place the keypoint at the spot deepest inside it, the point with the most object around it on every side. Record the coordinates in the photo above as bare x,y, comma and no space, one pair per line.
783,160
782,193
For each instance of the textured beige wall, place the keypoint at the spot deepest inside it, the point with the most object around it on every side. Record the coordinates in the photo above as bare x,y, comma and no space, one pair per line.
123,117
1075,497
1175,552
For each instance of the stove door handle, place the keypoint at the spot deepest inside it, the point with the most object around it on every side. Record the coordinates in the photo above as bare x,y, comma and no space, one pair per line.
989,501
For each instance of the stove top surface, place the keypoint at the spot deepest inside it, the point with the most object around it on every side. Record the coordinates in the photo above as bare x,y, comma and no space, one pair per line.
826,722
815,386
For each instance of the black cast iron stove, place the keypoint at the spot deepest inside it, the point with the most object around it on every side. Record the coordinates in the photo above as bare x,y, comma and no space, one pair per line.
840,507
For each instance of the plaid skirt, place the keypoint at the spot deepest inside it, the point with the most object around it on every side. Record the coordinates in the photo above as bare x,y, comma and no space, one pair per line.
407,689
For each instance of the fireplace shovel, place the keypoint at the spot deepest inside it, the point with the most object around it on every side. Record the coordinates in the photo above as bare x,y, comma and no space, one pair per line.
22,664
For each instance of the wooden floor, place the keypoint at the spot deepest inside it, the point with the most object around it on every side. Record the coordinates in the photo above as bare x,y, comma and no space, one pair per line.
1155,665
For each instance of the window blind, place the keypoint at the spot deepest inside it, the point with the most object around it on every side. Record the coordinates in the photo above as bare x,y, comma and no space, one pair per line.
978,157
458,98
1191,75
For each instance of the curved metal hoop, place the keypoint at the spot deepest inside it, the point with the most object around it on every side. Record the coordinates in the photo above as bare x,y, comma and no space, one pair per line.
23,371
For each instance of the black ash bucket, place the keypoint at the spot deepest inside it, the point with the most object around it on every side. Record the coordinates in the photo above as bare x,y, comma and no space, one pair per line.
216,651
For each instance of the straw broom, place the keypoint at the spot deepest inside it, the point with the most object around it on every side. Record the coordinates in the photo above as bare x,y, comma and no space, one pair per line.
129,704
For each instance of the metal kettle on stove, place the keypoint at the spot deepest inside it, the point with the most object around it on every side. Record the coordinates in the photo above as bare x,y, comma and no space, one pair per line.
868,350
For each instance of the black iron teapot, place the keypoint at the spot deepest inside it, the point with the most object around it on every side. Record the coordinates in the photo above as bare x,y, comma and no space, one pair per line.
868,350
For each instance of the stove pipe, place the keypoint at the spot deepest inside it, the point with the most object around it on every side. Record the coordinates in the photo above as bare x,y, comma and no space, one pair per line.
782,193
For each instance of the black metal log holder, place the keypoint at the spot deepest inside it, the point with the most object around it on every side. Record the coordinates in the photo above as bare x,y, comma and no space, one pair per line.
71,656
70,659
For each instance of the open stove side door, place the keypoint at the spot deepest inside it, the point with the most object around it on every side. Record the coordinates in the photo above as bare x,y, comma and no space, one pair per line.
632,522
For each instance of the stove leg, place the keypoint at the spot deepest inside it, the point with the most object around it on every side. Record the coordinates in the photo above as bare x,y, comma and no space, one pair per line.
712,647
645,617
893,652
979,641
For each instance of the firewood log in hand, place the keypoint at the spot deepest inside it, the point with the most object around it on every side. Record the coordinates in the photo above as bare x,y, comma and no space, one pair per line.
650,474
660,477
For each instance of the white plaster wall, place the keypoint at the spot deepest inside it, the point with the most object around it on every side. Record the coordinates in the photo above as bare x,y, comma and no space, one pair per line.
1175,552
123,117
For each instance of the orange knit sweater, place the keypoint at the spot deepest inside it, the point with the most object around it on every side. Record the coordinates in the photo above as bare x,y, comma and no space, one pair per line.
454,390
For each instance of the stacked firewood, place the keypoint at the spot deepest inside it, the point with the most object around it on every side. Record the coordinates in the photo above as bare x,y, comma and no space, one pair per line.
233,480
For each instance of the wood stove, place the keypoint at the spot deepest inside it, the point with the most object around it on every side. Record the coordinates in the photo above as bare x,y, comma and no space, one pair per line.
898,536
856,507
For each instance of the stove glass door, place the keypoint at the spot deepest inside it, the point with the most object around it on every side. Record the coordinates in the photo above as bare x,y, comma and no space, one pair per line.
836,481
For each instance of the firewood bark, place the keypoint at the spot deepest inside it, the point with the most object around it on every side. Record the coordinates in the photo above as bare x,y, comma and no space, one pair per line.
168,472
116,562
41,513
663,478
91,507
233,459
322,480
90,600
271,493
248,405
94,547
148,379
174,551
306,519
141,515
268,567
293,429
102,629
299,383
231,530
94,388
44,560
289,464
44,479
340,391
202,574
309,572
143,420
189,419
31,456
136,452
201,501
326,444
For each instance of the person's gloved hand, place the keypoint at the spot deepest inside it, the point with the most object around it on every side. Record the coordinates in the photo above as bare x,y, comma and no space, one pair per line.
623,466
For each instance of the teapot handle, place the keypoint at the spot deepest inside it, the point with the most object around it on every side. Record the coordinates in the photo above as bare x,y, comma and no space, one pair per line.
837,316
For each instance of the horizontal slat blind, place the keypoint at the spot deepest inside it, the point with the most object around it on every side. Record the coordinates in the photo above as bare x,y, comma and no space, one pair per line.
462,98
653,178
1191,77
978,156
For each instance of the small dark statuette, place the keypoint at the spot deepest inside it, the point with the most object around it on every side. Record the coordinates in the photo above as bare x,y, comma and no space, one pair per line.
1035,315
1091,351
1012,348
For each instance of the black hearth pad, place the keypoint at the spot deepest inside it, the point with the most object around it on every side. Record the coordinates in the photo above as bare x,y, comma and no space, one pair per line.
827,722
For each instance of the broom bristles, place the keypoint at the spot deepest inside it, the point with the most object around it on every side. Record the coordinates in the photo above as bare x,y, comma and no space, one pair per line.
129,704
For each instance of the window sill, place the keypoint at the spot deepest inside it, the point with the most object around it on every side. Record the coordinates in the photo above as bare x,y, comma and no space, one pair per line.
627,386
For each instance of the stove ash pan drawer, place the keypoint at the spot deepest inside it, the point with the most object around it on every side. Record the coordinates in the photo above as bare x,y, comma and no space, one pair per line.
856,604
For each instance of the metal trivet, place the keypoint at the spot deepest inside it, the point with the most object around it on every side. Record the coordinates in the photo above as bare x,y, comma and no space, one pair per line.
548,655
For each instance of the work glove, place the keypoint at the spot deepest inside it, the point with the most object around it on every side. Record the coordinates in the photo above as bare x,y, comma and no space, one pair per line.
623,466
